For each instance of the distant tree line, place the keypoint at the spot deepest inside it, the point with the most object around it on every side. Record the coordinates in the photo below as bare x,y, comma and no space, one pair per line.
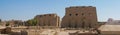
31,22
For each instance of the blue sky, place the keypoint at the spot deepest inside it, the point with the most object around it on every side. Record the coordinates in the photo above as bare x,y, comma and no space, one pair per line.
27,9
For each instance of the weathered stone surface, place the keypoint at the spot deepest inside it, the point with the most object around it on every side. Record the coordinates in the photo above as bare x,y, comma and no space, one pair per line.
80,17
110,29
48,20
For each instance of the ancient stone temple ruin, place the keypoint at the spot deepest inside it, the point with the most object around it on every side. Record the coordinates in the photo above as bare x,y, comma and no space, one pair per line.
48,20
79,17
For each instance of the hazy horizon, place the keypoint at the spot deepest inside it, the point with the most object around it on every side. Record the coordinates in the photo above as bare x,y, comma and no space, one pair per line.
27,9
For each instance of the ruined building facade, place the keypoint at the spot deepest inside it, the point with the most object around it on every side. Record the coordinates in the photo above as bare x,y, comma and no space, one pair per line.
48,20
79,17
